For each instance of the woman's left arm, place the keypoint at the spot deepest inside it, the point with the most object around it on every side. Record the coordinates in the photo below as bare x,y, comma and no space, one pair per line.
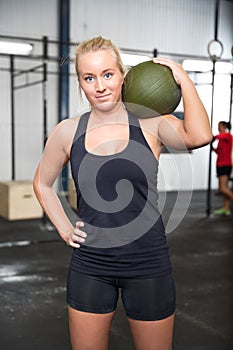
194,131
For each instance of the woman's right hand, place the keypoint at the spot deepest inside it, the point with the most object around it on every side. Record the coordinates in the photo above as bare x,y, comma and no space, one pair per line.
178,72
77,236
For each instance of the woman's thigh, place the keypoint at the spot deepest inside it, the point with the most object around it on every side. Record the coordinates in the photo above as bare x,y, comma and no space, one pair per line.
89,331
150,307
91,304
153,335
92,294
149,299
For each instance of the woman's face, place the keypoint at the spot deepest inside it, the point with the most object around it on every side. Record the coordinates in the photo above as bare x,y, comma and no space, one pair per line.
100,78
221,127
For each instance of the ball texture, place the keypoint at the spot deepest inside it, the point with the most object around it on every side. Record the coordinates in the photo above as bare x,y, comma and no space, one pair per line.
150,90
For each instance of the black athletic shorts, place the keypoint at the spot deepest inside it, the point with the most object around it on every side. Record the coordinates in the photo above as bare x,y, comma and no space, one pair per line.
146,299
224,170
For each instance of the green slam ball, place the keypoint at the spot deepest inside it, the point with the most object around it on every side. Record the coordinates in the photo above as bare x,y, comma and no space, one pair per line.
150,90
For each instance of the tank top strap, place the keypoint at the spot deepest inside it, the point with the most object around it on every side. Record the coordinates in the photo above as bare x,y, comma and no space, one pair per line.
82,125
133,120
136,133
134,127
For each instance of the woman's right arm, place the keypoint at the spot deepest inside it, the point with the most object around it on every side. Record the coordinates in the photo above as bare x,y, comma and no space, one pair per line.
54,158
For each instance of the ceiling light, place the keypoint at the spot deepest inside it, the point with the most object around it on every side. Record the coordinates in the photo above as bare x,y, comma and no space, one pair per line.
15,48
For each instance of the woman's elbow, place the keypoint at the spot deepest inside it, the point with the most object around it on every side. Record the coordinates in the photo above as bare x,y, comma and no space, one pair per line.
207,137
203,140
36,185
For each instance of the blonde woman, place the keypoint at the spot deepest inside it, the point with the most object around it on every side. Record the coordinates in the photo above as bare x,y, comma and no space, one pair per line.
119,242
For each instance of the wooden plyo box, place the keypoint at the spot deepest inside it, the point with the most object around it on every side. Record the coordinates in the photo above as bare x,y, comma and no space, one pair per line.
18,201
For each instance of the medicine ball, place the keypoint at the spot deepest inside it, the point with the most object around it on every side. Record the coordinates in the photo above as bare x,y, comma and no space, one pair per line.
150,90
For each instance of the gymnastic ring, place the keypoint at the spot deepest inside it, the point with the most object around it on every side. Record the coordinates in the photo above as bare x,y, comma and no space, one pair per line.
214,56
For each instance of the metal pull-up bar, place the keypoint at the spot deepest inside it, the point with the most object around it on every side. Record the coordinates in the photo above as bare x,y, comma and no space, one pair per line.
17,73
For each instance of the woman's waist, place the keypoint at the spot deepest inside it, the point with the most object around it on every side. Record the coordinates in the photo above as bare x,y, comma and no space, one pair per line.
118,234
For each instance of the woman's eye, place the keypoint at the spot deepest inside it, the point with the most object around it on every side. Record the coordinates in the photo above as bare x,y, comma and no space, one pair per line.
89,79
108,75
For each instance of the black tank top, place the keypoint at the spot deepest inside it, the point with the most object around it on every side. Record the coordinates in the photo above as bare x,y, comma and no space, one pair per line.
118,201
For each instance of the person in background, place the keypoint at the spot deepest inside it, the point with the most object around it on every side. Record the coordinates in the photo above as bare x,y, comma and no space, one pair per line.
224,165
118,246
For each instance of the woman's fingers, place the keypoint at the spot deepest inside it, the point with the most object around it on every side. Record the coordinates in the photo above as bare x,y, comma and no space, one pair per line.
176,68
165,61
78,236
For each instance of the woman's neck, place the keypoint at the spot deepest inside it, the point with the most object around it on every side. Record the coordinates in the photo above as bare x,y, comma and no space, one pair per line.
117,114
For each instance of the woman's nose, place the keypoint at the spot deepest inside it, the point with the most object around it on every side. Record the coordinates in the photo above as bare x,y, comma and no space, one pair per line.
100,87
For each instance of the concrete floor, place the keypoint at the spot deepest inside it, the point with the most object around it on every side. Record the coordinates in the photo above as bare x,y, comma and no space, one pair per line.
33,268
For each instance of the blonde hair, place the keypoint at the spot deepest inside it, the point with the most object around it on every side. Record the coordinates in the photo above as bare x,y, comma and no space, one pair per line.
95,44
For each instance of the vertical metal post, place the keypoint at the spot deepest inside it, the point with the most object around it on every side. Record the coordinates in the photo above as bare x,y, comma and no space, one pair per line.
231,92
45,88
216,20
64,28
208,209
12,119
208,204
44,98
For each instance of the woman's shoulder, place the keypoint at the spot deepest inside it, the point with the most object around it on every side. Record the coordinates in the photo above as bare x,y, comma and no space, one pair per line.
225,135
69,122
64,131
67,126
152,124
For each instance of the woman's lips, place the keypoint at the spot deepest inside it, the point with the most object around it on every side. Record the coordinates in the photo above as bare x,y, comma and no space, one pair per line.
103,97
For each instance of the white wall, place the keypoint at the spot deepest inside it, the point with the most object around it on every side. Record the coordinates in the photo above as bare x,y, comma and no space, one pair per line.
35,19
30,18
171,26
178,26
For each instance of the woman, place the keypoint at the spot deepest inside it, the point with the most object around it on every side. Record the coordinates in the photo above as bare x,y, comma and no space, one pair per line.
224,165
119,243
